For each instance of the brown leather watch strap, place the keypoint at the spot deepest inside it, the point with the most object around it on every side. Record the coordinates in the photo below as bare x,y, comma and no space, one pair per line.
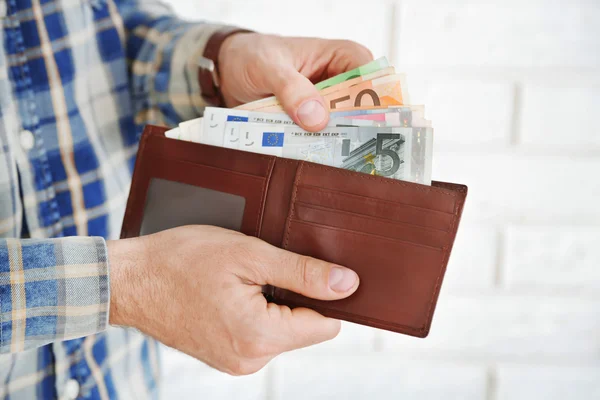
209,89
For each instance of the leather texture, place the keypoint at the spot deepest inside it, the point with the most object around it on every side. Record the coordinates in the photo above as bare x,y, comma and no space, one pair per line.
396,235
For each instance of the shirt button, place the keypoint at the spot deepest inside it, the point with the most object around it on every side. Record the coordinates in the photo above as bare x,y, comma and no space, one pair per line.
27,140
72,389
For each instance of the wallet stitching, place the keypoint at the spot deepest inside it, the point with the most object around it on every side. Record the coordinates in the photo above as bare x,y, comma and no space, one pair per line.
289,219
263,197
445,260
388,181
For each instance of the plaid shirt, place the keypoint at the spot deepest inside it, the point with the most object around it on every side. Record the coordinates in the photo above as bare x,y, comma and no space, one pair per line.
78,80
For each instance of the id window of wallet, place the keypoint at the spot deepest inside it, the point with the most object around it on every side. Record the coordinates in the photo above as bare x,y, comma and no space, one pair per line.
246,200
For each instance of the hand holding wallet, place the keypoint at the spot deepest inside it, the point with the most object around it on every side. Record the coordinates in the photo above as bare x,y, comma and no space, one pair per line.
396,235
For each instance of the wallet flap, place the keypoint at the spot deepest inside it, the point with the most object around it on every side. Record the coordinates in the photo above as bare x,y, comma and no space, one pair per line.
396,235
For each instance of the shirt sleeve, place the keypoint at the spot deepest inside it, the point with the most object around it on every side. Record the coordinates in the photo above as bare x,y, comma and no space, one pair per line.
52,290
162,51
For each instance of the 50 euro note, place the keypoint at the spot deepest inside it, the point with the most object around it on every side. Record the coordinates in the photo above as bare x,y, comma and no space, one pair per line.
396,152
274,102
370,68
380,92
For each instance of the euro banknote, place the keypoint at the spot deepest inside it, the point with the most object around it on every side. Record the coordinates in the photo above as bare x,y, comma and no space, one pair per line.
214,120
379,92
395,152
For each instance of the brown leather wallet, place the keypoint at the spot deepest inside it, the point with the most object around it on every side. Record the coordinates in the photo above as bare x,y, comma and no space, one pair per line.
396,235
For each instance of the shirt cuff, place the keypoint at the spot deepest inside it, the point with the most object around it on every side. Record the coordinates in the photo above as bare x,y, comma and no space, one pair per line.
52,290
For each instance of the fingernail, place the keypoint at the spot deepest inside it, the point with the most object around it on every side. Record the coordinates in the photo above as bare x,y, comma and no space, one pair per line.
312,113
341,279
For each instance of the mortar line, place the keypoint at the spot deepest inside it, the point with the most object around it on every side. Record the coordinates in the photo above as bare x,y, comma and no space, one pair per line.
269,382
491,383
394,31
515,127
500,242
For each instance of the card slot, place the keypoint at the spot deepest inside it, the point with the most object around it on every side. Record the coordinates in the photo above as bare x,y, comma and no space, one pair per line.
399,281
391,202
214,168
371,217
373,207
370,225
368,234
430,197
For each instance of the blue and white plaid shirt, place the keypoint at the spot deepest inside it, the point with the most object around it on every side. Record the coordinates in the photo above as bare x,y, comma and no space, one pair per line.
78,80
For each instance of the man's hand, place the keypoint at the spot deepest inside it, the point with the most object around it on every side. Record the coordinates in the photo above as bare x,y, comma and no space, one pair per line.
253,66
198,289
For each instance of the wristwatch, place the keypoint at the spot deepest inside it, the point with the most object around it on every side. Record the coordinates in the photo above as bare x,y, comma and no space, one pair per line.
208,66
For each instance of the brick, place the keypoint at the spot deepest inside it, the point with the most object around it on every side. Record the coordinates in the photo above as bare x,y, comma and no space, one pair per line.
499,33
523,187
525,382
470,112
185,377
315,18
560,117
473,260
556,256
508,326
374,376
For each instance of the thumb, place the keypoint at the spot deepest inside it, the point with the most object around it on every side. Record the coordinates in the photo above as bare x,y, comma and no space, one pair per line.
311,277
299,98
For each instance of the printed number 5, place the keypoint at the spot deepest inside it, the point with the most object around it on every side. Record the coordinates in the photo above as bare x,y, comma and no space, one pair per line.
379,150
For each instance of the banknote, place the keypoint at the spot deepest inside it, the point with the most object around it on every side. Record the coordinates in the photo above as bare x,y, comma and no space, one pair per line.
395,152
212,125
274,102
380,92
369,68
397,116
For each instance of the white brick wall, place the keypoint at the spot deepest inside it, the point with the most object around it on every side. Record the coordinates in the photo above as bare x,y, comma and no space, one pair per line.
513,88
561,117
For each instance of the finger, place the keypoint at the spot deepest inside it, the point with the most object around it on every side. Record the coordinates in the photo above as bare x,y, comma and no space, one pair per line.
299,327
310,277
299,97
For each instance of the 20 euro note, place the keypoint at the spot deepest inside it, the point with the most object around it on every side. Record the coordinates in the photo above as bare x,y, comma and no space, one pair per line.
396,152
